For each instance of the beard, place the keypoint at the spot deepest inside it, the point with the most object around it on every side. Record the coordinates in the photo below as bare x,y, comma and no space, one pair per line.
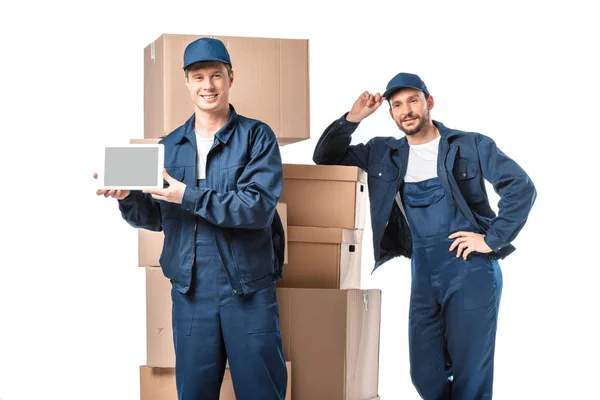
413,131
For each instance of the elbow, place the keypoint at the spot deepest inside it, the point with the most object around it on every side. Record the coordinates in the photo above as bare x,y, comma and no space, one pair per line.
531,190
317,159
265,220
255,215
322,154
257,221
318,156
521,189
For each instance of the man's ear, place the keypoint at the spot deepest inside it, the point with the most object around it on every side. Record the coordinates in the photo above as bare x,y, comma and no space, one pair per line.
430,102
187,80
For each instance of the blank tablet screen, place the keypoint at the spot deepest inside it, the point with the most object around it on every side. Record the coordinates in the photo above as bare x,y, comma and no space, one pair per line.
132,166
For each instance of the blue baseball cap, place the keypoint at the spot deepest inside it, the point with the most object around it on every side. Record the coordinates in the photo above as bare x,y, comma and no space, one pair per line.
205,49
405,80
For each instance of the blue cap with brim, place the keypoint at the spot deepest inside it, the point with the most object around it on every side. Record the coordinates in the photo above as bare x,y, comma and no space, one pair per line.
205,49
404,80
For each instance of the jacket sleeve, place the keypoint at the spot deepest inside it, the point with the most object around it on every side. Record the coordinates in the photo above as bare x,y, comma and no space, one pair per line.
515,188
333,147
140,210
253,203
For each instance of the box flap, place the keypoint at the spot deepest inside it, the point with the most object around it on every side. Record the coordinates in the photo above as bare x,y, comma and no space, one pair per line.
324,172
145,141
310,234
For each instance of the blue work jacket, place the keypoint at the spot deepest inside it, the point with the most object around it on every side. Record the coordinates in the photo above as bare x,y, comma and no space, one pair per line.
244,179
465,159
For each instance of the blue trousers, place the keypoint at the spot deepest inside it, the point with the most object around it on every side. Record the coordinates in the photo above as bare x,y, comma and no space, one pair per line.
454,302
212,325
452,323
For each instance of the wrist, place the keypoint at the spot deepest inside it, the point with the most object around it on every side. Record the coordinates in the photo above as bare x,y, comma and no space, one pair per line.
353,118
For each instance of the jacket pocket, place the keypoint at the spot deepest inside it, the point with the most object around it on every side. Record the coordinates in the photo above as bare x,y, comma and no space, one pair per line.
467,177
466,171
426,211
261,311
479,284
176,173
381,178
230,175
424,198
252,250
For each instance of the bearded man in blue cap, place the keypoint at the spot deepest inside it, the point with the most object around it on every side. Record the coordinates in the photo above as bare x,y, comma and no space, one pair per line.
429,203
224,240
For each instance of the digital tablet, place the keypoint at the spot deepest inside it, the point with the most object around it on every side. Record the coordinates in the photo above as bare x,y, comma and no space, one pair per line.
133,167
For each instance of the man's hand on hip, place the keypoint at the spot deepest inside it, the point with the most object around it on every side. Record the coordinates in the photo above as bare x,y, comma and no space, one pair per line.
172,194
468,242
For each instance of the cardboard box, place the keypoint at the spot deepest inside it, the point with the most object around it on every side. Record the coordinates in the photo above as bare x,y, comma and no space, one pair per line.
159,384
271,84
145,141
327,196
282,210
331,338
328,258
150,243
160,351
150,246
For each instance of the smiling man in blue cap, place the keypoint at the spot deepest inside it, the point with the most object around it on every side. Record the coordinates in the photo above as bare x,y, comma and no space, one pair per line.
429,203
224,240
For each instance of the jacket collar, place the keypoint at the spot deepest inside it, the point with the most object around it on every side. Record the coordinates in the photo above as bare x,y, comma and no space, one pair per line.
445,133
222,134
397,144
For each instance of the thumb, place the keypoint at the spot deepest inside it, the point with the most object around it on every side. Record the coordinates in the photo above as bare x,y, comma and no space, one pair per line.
167,176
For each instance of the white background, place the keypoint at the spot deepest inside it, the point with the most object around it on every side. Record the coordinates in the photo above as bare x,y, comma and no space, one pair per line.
72,308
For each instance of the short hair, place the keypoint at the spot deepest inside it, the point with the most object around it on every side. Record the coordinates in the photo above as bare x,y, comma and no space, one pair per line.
389,99
196,64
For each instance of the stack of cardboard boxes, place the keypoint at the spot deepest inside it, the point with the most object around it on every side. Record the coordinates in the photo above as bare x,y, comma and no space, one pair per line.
330,328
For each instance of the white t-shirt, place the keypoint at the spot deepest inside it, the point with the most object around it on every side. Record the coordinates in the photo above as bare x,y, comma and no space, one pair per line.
422,161
204,145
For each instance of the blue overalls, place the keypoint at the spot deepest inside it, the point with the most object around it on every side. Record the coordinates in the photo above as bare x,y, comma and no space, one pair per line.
454,303
212,325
